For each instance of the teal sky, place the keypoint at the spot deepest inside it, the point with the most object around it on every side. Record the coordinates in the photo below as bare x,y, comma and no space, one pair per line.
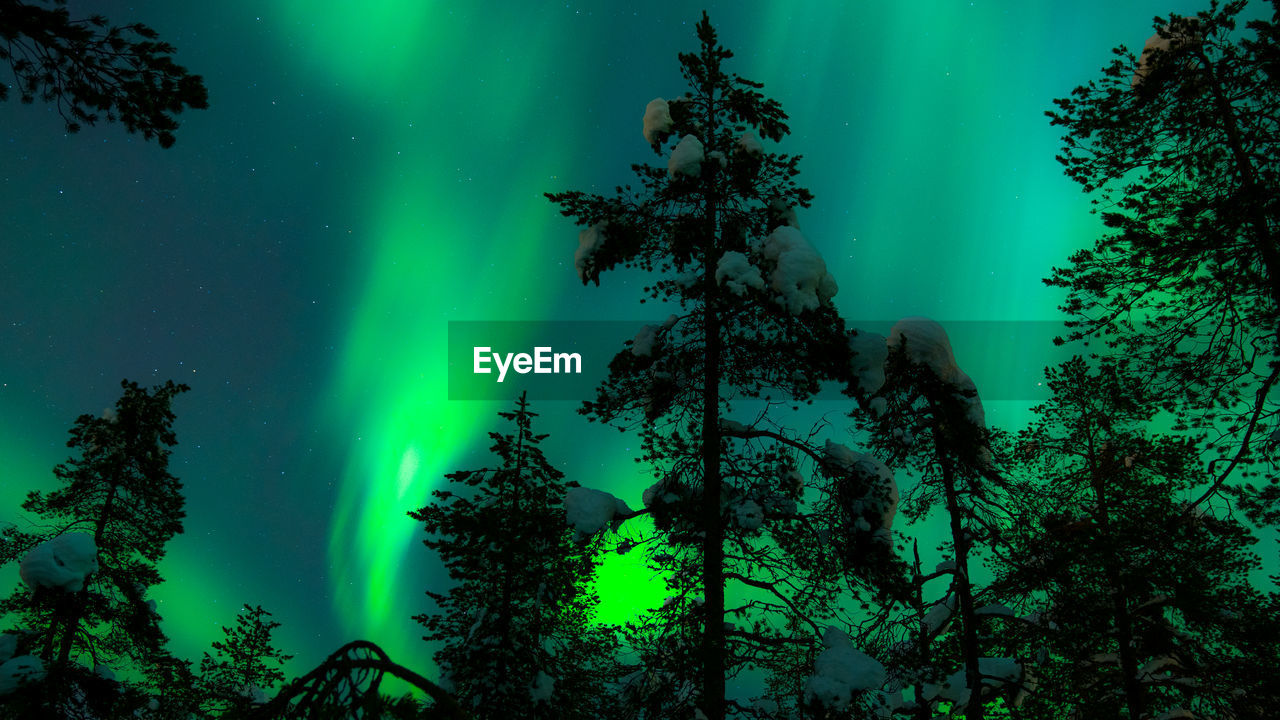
368,171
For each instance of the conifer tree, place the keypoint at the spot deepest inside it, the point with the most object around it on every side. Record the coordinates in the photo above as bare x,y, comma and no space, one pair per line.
86,575
516,634
717,228
1179,147
245,665
930,417
1149,597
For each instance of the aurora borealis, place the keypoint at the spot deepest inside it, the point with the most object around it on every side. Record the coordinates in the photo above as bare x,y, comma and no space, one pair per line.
368,172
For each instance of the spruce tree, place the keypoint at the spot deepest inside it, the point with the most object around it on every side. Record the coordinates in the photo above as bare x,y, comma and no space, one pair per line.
245,665
119,505
716,226
516,635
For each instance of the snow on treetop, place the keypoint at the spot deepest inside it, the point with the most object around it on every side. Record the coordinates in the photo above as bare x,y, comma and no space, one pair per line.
750,144
1154,44
884,489
687,158
657,121
62,562
736,271
590,511
927,345
869,353
642,344
19,670
589,242
800,274
840,671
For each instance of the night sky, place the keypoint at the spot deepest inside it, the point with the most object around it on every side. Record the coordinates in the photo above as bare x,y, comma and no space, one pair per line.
369,171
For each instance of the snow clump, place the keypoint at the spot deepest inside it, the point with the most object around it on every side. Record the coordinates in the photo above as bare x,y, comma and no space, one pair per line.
590,511
841,671
800,274
657,121
589,242
736,272
19,670
687,158
61,563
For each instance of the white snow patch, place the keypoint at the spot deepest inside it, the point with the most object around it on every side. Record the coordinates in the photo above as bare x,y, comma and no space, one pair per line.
750,144
642,344
869,353
800,274
927,345
939,615
840,671
62,562
543,686
657,121
590,511
736,272
589,242
750,515
1155,43
869,468
687,158
8,646
20,670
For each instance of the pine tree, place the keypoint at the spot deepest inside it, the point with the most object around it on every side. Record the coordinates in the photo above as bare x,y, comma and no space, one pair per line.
717,227
516,634
1180,148
118,504
245,666
1146,593
929,417
90,70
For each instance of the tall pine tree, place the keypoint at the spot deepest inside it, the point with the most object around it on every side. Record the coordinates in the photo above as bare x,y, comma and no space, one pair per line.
1180,148
717,228
516,635
117,500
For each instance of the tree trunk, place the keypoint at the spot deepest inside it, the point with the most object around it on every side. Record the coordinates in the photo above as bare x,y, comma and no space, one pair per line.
968,618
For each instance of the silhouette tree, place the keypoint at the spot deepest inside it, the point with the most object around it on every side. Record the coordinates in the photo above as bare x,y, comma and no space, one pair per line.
516,635
91,70
929,417
717,227
245,666
88,572
1180,148
1148,595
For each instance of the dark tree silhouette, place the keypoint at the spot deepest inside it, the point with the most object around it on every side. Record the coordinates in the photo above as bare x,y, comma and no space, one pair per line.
91,70
1149,598
245,666
117,491
1181,148
717,227
516,634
